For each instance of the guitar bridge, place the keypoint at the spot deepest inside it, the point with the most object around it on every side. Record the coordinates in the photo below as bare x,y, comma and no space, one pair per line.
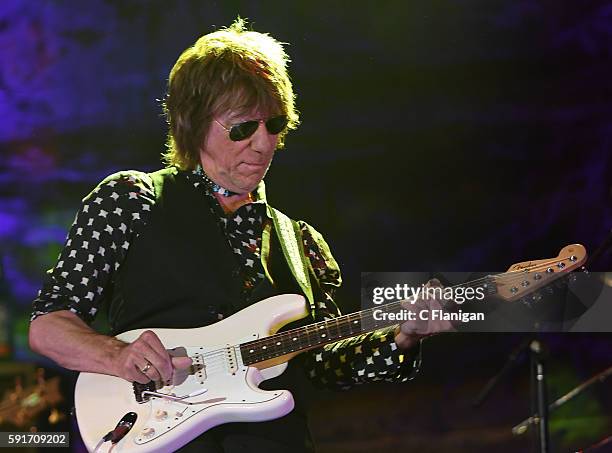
140,388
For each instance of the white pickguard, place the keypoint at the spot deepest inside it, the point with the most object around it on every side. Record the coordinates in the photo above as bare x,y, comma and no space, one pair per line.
231,388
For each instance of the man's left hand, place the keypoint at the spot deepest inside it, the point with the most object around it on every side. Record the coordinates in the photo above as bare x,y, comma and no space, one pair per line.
409,333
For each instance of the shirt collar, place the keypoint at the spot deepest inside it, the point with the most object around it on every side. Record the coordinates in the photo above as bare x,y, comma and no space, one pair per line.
199,176
210,184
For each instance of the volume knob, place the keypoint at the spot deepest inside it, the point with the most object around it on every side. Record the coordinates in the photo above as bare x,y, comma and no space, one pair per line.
161,415
148,432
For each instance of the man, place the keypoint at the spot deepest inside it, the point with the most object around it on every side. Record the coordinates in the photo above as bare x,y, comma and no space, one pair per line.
196,242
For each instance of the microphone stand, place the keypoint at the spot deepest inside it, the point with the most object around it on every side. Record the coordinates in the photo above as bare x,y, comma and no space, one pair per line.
538,384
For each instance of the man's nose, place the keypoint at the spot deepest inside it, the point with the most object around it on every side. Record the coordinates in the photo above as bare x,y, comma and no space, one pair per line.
262,140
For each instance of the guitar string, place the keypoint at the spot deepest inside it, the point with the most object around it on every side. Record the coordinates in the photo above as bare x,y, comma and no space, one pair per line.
341,321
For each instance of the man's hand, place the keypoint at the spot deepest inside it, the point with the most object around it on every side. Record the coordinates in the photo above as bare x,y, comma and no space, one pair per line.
146,360
409,333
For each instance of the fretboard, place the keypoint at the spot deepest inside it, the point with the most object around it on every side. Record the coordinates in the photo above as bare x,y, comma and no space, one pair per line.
328,331
317,334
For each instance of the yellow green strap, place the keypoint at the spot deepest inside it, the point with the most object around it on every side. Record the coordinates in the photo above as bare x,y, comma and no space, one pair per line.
289,235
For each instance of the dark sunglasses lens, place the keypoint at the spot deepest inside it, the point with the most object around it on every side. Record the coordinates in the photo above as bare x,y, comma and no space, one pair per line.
277,124
243,130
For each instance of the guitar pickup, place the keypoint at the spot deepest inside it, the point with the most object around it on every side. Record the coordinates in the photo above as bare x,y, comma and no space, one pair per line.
198,369
231,360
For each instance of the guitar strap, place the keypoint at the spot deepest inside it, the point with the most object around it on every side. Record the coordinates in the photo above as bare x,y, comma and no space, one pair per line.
290,238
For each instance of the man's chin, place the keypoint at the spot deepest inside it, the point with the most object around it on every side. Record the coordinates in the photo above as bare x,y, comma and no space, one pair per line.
247,186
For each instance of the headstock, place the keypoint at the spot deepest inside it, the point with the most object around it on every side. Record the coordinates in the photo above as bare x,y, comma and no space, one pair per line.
528,276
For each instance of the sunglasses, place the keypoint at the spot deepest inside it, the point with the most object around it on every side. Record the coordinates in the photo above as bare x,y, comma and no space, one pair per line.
244,130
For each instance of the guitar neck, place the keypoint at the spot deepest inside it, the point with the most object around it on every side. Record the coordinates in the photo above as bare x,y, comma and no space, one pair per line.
318,334
520,280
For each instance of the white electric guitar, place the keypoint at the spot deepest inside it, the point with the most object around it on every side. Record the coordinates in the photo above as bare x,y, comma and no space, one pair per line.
231,357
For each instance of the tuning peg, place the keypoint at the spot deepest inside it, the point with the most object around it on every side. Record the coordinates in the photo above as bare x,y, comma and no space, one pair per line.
584,270
560,283
526,302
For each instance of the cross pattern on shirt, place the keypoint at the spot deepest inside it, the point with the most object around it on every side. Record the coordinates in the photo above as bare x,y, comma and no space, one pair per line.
110,220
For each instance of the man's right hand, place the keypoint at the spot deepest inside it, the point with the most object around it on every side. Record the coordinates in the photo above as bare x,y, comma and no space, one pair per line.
65,338
146,359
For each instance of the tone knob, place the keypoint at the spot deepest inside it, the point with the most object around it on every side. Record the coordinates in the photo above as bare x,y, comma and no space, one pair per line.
161,415
148,432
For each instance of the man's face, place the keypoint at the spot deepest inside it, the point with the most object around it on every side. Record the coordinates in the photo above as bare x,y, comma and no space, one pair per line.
237,166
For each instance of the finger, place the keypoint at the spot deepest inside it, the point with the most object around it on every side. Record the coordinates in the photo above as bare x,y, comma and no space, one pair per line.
181,362
137,375
157,354
130,361
149,370
413,327
408,304
434,282
405,341
158,364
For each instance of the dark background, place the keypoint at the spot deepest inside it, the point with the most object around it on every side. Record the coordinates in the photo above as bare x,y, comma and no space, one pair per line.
436,136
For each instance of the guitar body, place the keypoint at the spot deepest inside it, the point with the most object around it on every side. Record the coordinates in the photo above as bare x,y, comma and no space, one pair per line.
223,389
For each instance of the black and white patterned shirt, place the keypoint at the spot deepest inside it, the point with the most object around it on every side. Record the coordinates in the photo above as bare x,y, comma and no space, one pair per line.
111,218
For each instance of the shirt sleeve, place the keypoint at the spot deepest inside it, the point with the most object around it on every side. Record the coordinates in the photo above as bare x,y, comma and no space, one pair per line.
368,357
108,220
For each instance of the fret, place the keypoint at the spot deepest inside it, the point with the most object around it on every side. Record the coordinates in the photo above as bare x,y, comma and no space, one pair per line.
354,323
338,327
268,348
296,341
367,320
347,329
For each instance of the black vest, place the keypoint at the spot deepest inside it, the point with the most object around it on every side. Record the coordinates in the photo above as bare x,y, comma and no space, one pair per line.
180,273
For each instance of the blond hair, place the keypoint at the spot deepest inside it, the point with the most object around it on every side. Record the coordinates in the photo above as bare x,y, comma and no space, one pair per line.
231,69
